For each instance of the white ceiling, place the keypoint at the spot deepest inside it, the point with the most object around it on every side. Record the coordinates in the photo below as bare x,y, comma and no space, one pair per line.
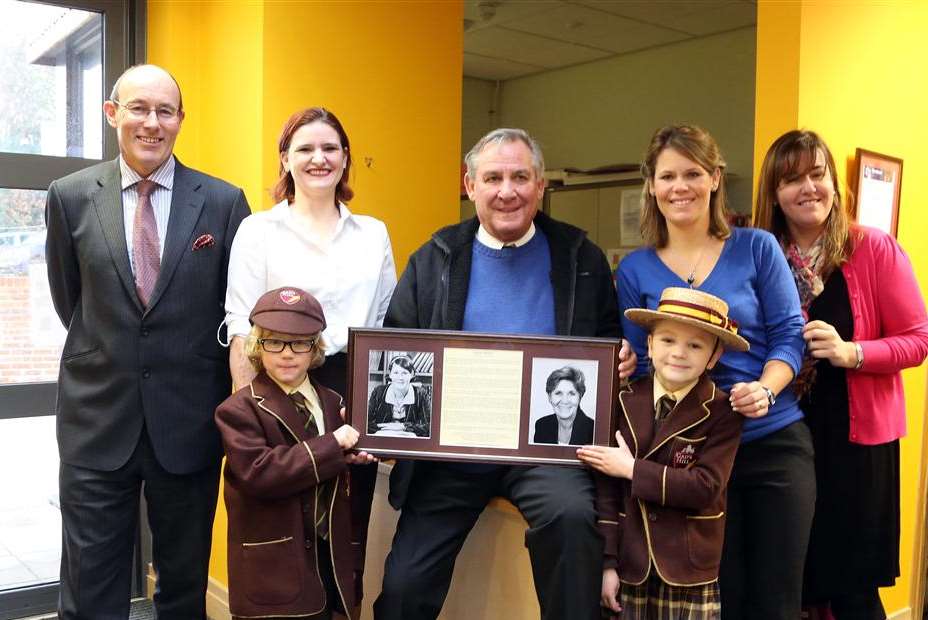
504,39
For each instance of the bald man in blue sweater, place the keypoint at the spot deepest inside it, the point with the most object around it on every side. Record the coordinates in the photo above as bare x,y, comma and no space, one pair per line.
510,270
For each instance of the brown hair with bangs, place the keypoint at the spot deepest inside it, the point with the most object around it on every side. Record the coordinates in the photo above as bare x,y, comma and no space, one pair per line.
696,144
284,188
793,154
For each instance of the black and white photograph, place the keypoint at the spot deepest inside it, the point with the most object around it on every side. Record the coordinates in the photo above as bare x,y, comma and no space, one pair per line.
560,389
399,402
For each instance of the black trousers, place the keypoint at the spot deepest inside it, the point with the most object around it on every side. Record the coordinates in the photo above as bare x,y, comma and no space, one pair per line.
864,605
443,505
99,516
771,500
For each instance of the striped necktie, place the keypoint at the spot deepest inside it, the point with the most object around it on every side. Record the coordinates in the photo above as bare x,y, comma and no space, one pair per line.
665,405
310,425
146,247
323,492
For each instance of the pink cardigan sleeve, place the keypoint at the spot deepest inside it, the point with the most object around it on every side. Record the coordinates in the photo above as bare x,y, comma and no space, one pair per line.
890,322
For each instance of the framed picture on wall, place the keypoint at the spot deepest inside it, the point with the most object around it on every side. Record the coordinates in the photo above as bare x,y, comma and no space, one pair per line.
879,186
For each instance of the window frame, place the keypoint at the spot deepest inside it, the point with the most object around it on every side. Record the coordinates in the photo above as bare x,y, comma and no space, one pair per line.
124,44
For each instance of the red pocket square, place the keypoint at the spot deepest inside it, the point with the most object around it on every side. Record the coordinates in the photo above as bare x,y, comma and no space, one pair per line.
203,241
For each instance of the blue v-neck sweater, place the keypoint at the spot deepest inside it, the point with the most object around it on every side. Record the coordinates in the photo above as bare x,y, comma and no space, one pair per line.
510,290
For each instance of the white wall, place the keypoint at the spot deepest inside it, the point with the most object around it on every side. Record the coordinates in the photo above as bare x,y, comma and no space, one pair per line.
605,112
478,113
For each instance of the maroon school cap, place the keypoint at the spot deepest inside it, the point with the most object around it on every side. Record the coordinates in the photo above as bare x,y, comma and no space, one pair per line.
288,310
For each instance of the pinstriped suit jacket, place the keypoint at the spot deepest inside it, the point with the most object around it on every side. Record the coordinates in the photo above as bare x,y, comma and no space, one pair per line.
124,365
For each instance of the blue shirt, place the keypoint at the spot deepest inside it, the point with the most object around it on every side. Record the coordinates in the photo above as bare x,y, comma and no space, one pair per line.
752,276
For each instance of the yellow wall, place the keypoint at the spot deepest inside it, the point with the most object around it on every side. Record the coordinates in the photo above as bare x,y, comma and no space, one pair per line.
214,50
390,71
856,73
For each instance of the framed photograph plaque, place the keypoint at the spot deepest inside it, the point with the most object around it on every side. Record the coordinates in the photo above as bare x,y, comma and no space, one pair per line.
879,187
447,395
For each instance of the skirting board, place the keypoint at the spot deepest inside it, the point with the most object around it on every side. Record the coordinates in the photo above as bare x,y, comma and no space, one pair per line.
217,601
903,614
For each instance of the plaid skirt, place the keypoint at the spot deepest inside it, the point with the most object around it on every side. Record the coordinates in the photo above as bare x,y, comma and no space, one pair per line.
656,600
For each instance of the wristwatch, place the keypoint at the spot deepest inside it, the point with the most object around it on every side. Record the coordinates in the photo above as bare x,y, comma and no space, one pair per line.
771,399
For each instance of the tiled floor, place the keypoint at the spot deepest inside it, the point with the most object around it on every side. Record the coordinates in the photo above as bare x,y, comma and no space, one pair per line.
30,523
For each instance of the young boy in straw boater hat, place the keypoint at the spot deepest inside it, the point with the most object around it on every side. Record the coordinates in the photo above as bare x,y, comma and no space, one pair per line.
291,549
661,502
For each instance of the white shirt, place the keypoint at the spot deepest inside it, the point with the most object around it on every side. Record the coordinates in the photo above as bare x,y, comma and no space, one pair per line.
353,277
484,237
160,200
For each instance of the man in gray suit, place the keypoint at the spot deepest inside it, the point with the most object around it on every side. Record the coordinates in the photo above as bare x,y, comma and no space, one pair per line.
137,253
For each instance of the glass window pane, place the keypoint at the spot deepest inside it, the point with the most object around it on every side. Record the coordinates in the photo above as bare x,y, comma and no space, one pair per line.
31,336
51,80
30,520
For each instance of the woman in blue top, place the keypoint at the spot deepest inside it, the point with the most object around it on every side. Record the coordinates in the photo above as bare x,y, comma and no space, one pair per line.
771,494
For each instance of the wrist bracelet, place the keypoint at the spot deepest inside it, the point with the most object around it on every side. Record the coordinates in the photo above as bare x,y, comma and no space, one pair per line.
860,356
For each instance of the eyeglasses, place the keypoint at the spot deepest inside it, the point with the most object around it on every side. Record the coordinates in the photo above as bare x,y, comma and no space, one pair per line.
273,345
137,111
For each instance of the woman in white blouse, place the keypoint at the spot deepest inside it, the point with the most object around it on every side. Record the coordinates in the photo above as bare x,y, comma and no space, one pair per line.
310,240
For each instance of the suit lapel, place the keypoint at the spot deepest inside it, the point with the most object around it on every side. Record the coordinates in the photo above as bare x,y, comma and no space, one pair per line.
108,203
637,404
186,205
330,402
688,413
581,428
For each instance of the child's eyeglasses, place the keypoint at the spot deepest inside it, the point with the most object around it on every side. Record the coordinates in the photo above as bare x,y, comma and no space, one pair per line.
273,345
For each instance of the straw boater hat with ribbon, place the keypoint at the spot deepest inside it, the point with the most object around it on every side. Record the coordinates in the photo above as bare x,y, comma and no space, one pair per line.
691,307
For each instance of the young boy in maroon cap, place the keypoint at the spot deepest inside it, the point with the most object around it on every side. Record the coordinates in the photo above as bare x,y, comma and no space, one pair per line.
291,549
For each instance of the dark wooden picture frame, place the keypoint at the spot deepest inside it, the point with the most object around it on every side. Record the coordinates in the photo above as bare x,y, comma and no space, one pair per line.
370,350
872,171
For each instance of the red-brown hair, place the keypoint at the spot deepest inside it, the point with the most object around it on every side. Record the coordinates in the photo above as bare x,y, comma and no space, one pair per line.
284,188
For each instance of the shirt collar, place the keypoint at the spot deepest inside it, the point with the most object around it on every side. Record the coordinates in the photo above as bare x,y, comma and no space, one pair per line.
283,212
305,388
163,175
409,399
484,237
677,395
344,216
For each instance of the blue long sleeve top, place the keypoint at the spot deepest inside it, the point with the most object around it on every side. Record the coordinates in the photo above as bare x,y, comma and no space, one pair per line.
752,276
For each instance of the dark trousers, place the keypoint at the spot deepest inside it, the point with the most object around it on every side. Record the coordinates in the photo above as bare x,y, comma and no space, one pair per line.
771,500
443,505
99,517
865,605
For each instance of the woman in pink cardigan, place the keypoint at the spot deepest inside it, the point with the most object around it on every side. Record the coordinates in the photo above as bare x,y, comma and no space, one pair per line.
866,322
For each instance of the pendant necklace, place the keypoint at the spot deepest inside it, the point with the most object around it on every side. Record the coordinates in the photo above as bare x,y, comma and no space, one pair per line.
691,279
